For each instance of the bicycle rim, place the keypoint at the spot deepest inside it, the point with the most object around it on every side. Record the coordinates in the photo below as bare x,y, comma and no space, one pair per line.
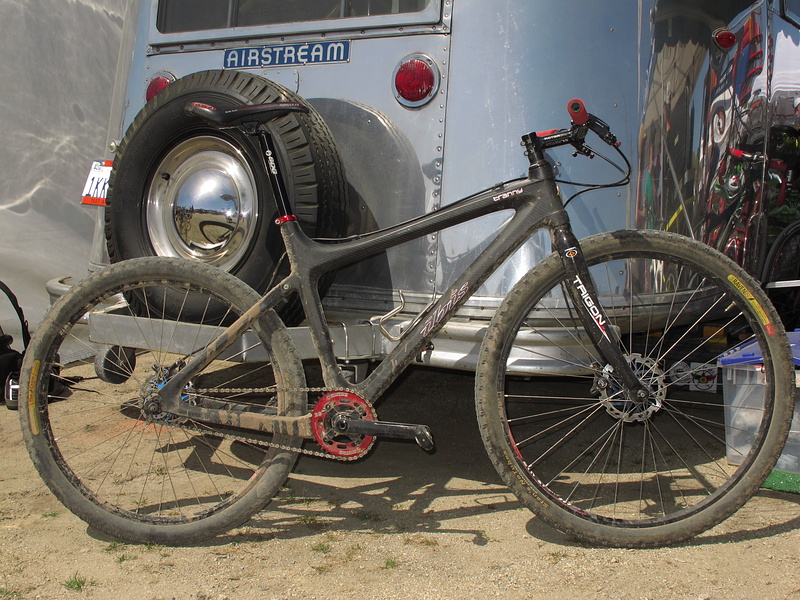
604,468
118,462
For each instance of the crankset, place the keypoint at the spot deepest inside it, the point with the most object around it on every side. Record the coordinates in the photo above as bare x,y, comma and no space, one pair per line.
345,425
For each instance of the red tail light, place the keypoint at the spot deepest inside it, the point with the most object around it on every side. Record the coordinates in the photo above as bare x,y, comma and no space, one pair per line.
158,83
416,80
725,39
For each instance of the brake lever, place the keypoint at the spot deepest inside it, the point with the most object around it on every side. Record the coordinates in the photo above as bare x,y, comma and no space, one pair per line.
603,131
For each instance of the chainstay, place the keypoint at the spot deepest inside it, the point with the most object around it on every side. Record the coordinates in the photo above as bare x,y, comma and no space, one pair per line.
242,391
258,441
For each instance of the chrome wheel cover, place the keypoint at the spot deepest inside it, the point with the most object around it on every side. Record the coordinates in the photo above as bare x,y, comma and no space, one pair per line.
202,203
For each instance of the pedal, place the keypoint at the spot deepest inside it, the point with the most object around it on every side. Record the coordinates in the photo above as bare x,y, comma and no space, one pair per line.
350,423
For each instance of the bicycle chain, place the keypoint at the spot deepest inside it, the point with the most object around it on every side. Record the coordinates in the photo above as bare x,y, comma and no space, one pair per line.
298,450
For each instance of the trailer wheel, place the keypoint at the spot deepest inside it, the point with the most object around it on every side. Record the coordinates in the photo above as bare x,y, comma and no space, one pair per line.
182,188
114,364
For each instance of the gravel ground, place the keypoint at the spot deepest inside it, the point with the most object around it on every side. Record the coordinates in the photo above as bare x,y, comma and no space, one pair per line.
399,524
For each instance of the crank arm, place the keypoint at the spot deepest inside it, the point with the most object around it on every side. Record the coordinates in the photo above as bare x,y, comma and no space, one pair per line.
421,434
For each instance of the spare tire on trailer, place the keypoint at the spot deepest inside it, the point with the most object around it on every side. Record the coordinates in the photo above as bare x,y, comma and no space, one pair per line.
180,187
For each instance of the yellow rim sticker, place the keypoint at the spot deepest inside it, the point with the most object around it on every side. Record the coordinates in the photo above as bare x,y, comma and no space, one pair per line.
33,417
754,303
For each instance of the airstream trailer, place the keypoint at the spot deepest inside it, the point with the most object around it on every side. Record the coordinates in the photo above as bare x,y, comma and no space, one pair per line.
415,107
424,101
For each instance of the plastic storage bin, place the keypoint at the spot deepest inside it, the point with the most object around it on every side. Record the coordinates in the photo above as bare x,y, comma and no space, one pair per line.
743,388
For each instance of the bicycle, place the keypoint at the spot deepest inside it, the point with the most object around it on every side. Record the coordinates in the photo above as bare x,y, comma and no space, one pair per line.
180,429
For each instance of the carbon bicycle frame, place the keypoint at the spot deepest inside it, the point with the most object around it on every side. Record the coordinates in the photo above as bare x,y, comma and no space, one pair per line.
536,202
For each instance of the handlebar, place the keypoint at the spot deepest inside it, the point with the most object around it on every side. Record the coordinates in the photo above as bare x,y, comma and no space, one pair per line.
582,122
750,157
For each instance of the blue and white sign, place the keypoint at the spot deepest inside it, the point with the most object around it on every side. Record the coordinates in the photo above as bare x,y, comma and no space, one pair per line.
287,55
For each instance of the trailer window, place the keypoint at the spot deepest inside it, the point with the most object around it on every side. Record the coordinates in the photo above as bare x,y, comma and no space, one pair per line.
791,11
175,16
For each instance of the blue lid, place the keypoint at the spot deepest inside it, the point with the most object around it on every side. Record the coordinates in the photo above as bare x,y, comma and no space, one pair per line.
748,353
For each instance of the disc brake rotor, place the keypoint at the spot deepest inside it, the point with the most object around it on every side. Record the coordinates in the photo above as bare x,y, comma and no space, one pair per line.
613,396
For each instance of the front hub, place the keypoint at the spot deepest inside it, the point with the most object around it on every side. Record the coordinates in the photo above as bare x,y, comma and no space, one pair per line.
624,406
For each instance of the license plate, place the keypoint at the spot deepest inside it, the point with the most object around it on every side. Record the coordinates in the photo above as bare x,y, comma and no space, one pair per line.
96,188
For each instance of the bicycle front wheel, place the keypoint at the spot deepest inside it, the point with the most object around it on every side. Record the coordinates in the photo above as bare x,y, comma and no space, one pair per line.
585,457
126,468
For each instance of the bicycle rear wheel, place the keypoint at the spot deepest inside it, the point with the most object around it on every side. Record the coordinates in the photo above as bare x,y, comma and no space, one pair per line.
611,471
127,469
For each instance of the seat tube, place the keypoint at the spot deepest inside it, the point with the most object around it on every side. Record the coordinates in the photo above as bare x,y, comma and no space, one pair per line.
271,164
584,296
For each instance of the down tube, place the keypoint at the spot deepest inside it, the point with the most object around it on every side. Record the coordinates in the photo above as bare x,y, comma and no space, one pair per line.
527,219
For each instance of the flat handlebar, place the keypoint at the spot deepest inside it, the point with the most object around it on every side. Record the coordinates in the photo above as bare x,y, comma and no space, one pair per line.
582,122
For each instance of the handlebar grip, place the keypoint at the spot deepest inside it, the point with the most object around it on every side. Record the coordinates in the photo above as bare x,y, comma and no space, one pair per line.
577,111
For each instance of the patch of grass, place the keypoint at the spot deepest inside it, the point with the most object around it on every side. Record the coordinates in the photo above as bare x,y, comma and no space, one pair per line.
351,553
312,522
287,494
123,557
114,547
162,550
50,514
420,540
10,594
322,547
556,555
77,583
389,563
307,520
481,538
368,516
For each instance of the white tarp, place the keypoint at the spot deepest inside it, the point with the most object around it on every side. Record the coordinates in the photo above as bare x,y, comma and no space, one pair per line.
56,81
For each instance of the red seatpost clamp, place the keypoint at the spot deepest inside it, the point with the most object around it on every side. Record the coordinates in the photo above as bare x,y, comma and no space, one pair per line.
285,219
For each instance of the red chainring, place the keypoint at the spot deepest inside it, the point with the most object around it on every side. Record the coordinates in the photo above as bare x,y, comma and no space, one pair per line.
344,445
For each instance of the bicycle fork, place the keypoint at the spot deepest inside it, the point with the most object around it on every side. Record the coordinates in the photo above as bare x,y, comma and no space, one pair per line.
583,294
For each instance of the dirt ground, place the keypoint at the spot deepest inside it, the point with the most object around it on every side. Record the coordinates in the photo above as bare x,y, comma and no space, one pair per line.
399,524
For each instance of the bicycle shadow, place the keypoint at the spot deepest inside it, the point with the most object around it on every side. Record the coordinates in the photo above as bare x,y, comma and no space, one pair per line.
399,488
